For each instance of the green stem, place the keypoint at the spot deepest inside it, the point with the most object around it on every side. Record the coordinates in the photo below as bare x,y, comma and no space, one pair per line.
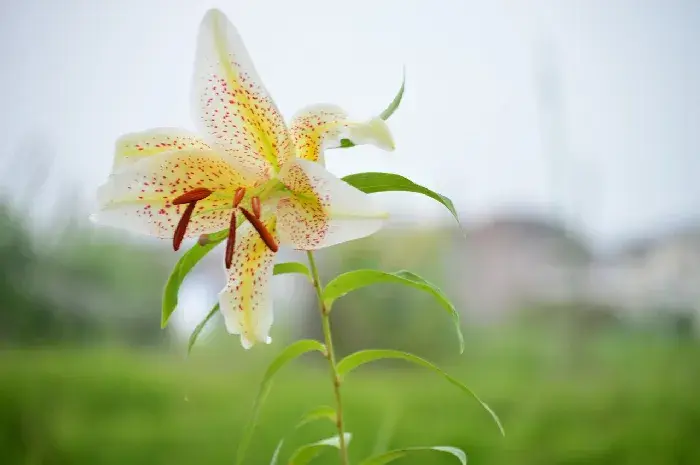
330,355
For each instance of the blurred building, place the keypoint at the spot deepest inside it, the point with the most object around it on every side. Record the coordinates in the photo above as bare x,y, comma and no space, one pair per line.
657,274
510,262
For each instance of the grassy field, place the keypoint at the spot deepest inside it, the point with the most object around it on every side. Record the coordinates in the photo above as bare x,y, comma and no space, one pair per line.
615,399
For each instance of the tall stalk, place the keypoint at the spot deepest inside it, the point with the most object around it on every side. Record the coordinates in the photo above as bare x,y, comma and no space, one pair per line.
330,355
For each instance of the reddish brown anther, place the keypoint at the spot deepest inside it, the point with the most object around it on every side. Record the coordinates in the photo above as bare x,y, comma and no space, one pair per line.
240,193
182,226
261,229
192,196
255,203
231,241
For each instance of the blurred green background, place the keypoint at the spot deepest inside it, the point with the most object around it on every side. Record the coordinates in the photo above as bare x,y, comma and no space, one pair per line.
87,376
566,134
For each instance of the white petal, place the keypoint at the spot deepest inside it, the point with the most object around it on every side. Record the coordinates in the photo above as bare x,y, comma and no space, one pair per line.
246,301
323,209
230,103
138,197
135,146
322,126
375,132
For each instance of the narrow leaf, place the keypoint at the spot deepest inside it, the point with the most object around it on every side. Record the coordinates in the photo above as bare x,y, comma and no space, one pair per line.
276,454
292,267
372,182
307,453
390,456
289,353
318,413
198,329
357,279
362,357
183,266
388,111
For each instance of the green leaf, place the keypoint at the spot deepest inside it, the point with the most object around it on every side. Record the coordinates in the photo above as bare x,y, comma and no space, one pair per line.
276,454
390,456
388,111
292,267
372,182
183,266
362,357
357,279
198,329
318,413
289,353
307,453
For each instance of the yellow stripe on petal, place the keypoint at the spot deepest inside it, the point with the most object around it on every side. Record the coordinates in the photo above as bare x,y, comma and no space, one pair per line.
139,196
137,145
322,126
323,210
316,128
231,103
246,301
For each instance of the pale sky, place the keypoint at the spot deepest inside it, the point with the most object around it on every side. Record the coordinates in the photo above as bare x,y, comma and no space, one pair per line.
626,124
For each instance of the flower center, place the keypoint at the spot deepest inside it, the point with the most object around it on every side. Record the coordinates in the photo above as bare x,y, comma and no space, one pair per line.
192,197
253,218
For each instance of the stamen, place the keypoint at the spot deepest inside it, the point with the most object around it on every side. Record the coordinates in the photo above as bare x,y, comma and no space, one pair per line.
261,229
182,225
240,193
255,203
231,241
194,195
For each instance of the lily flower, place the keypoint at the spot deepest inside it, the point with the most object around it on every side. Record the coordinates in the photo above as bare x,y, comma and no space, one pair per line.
245,171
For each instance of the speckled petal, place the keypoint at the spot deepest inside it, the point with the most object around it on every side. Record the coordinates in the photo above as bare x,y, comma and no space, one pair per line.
323,209
135,146
322,126
231,103
246,301
138,197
